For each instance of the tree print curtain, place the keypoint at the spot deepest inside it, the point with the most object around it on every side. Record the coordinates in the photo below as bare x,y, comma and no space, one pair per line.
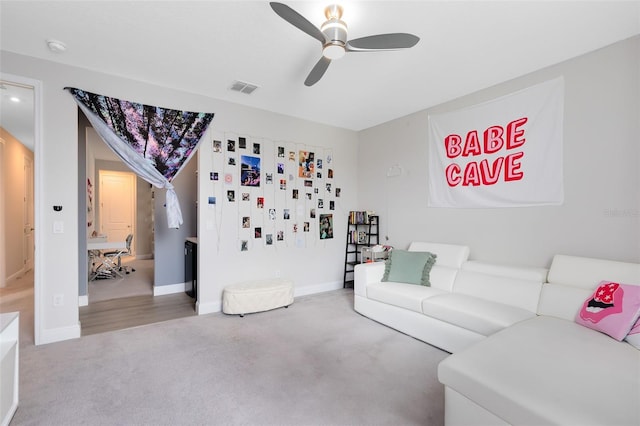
154,142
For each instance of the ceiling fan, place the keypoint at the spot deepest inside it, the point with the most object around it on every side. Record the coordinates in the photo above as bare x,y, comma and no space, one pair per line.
333,37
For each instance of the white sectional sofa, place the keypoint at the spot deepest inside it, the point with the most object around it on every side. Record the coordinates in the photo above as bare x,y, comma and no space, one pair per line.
518,356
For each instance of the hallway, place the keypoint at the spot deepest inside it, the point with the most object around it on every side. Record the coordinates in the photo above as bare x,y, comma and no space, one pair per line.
114,304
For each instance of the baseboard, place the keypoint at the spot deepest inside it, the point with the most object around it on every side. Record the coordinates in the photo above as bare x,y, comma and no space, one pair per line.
144,256
317,288
161,290
59,334
216,306
208,308
83,300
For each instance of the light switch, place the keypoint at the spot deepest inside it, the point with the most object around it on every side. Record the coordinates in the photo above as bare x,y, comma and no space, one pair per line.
58,227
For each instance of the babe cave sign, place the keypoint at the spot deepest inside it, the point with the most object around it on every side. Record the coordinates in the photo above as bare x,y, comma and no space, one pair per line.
503,153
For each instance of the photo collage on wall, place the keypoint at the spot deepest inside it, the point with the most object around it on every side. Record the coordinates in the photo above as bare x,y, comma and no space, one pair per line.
282,193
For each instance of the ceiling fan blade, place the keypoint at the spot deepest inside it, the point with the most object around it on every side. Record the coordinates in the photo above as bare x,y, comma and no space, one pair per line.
391,41
318,71
297,20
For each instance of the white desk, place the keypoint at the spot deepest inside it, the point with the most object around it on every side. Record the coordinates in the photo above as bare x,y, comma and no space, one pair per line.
100,244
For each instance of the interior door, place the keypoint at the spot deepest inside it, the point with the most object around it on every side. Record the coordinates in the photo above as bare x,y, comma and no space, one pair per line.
117,204
28,245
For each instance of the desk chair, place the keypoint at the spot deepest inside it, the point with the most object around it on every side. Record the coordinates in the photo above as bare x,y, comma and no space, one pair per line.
114,258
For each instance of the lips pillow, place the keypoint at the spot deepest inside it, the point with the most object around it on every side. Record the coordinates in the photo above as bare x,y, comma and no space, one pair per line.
612,309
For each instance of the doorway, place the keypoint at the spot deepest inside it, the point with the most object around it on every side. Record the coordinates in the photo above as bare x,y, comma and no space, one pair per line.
117,205
19,213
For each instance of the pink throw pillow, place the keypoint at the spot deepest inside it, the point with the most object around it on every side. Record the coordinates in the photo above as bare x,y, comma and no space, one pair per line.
612,309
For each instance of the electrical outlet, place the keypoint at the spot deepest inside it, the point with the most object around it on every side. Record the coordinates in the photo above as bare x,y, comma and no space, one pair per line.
58,300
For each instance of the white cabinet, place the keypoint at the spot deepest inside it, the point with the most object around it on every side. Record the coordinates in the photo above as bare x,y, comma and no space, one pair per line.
9,348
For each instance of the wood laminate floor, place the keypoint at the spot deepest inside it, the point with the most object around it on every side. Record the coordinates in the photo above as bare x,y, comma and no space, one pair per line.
117,314
121,311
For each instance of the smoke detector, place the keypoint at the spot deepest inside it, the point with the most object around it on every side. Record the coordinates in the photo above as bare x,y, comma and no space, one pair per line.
56,46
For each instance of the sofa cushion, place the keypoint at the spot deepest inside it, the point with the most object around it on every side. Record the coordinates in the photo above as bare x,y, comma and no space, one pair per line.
612,309
586,272
481,316
517,292
562,301
549,371
450,255
442,277
403,295
408,267
521,272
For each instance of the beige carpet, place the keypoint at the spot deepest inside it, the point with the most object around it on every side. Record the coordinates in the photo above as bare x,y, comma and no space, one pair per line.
316,363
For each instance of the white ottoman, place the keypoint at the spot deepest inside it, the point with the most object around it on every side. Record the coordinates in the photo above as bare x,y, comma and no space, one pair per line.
257,296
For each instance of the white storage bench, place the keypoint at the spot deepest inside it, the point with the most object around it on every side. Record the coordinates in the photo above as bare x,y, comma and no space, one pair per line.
257,296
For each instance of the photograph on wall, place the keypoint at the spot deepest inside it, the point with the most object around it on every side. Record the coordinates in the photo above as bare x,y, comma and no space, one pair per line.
231,195
260,202
306,165
268,239
246,196
244,245
217,146
249,170
231,145
257,232
242,143
281,152
269,178
280,236
246,222
256,148
326,226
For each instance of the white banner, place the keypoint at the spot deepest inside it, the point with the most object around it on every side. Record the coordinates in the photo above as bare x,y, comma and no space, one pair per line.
503,153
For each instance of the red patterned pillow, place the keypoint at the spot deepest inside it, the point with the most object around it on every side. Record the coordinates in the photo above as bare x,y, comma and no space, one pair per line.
612,309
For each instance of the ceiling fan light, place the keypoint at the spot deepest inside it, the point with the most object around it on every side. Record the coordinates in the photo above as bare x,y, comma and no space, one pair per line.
333,51
335,30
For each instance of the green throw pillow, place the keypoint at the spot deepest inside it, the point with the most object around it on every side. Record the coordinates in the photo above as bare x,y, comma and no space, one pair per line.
411,267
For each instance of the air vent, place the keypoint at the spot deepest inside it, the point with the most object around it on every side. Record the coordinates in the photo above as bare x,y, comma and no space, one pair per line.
243,87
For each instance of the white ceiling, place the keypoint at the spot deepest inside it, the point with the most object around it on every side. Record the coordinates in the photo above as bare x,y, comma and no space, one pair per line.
202,47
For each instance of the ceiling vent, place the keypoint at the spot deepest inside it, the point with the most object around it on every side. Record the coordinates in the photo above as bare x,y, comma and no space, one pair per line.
243,87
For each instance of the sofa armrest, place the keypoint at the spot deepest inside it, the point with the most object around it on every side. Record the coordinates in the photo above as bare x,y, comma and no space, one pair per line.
365,274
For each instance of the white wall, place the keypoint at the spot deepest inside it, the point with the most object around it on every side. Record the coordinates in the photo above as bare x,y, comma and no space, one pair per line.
600,216
313,268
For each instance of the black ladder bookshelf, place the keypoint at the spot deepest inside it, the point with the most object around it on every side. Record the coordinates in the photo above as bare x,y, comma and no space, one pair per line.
362,231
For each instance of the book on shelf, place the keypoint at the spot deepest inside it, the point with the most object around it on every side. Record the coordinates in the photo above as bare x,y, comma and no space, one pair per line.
360,217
